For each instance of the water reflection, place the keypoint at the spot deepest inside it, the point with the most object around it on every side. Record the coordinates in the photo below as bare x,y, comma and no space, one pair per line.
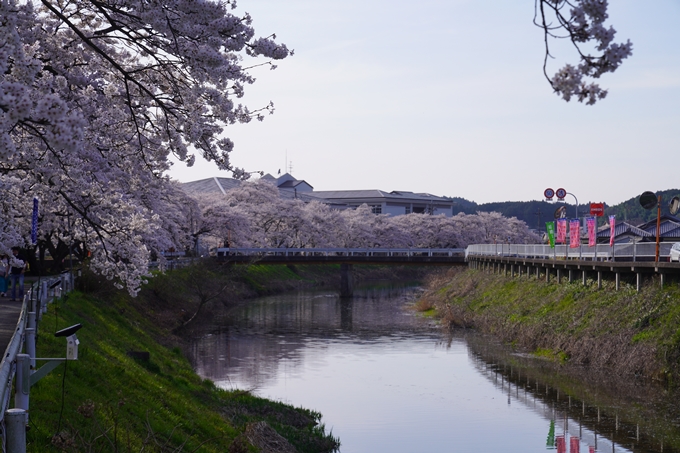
387,380
620,425
249,347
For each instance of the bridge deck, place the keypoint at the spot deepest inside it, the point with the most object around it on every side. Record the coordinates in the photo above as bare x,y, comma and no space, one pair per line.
279,259
587,265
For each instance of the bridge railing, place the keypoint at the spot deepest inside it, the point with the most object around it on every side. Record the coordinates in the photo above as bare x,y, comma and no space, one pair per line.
34,305
312,252
643,251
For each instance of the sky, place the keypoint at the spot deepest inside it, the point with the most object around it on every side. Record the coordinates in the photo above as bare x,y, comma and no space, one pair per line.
448,97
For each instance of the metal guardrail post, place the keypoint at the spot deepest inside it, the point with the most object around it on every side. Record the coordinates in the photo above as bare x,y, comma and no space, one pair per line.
15,428
22,383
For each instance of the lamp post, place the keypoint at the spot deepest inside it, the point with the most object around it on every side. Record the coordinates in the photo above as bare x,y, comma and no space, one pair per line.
647,201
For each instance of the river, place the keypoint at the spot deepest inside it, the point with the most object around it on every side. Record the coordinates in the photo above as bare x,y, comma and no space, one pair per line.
389,380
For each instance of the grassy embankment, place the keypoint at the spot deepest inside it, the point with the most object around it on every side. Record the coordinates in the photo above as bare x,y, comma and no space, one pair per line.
109,401
623,331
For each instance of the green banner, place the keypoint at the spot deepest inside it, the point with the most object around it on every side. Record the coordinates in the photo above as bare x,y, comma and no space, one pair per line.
550,229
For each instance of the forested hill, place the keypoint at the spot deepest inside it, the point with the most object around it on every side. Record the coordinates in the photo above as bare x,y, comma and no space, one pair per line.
631,211
534,213
528,211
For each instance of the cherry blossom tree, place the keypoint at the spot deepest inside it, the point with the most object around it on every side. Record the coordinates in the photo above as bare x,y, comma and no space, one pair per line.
256,214
582,23
95,95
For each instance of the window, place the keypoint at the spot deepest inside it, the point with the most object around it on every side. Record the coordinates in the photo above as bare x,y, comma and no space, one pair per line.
376,209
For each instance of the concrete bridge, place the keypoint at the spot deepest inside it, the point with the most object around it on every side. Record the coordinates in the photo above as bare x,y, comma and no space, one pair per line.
346,257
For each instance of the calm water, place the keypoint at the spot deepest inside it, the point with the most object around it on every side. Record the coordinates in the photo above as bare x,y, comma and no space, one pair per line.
387,380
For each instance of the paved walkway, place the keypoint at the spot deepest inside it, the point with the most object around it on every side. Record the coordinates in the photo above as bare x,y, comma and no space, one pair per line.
9,316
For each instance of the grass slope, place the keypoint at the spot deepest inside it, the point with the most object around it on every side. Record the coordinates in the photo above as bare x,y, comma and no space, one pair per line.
625,331
108,401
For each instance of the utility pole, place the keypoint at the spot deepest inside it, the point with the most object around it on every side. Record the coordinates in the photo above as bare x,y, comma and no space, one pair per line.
538,213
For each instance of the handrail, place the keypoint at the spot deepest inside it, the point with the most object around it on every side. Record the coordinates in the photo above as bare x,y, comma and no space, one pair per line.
9,358
336,251
644,251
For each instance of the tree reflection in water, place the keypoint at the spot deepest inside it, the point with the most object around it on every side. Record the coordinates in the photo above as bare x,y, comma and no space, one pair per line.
294,336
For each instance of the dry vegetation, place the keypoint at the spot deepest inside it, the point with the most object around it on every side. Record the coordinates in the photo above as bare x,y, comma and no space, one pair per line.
624,331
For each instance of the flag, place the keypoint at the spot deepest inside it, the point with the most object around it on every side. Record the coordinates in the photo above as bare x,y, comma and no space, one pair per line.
574,233
550,230
561,231
591,223
612,229
34,223
574,445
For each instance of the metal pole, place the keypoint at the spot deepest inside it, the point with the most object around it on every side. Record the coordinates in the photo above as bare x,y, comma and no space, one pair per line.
658,228
15,426
22,382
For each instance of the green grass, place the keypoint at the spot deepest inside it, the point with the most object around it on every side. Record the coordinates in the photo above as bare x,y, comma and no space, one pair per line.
107,401
630,331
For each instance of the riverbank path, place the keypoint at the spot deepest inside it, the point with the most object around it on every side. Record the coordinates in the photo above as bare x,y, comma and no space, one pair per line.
9,317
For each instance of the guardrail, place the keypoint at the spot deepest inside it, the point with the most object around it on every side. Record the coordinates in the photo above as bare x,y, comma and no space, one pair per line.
643,251
36,299
396,252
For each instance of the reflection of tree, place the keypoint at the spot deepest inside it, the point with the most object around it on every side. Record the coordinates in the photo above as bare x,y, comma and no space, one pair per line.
284,331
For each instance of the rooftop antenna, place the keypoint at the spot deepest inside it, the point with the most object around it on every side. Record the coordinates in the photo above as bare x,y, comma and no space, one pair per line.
290,167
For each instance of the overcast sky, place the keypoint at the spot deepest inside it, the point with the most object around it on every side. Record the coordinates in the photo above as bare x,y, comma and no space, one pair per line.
448,97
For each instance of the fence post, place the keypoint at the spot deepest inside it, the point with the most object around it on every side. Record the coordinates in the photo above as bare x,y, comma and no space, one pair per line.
15,428
22,381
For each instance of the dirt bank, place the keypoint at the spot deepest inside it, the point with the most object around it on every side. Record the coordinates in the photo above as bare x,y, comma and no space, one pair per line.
625,332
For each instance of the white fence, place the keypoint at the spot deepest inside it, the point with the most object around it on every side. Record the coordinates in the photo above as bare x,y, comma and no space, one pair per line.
644,251
311,252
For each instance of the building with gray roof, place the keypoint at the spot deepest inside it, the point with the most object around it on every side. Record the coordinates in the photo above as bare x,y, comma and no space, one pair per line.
380,202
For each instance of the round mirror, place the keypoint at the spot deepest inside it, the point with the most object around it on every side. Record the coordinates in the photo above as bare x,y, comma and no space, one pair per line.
674,205
561,212
648,200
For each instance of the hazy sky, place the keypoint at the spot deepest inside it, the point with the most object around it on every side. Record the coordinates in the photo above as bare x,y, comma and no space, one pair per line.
448,97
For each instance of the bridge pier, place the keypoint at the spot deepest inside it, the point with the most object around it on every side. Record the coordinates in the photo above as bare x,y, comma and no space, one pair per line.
638,281
584,278
346,280
618,280
599,279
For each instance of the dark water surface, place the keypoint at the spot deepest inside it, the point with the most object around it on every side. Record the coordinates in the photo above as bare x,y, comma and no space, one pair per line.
388,380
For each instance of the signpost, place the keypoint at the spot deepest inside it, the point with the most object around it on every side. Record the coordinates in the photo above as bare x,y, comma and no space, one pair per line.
597,209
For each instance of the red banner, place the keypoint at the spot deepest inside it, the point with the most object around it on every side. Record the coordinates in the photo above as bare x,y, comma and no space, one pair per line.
591,224
561,231
574,233
612,229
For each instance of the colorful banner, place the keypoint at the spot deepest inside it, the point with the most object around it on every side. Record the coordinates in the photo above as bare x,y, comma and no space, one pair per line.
612,229
574,233
592,227
574,445
561,231
550,230
34,224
